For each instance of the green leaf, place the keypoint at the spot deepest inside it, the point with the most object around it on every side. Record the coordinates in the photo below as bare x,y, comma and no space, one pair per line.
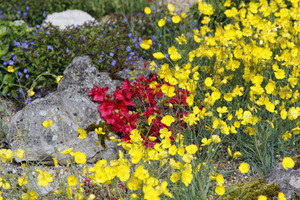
3,50
3,31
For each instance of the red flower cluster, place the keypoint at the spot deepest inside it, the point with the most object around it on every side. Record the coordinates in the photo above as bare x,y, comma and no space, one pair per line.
116,110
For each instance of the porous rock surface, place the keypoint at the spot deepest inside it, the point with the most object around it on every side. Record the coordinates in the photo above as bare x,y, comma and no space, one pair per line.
68,18
70,107
287,180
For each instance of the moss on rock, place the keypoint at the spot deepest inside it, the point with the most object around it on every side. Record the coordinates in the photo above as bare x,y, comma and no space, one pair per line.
251,190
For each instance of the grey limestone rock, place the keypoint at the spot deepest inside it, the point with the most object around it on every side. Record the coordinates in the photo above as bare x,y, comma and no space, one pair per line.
288,180
70,107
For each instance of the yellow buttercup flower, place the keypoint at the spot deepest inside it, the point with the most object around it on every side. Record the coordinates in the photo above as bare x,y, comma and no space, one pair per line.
44,178
72,180
146,44
30,92
158,55
162,22
244,167
176,19
10,69
48,123
58,79
82,133
147,10
262,197
79,157
220,190
287,163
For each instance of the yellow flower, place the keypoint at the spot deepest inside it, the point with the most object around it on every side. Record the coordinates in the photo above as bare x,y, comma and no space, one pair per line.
171,8
216,139
134,184
237,154
281,196
186,177
82,133
175,177
287,163
30,195
176,19
69,191
67,151
168,90
168,120
30,92
158,55
220,179
146,44
220,190
164,189
175,56
99,131
22,180
80,157
55,161
147,10
141,173
208,82
123,172
162,22
6,155
44,178
286,136
229,151
262,197
58,79
191,149
244,167
10,69
48,123
19,153
280,74
72,180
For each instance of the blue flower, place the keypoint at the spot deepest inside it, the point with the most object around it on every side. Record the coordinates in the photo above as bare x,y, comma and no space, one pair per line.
37,55
168,20
125,20
69,36
14,58
44,14
19,74
129,35
10,62
131,53
113,62
26,44
29,100
134,40
77,26
25,71
17,44
47,32
20,91
111,54
49,47
129,58
26,75
83,38
67,50
38,26
25,14
138,14
128,48
100,60
27,7
104,31
19,12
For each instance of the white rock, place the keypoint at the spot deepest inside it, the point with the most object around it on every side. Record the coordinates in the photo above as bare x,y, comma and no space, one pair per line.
68,18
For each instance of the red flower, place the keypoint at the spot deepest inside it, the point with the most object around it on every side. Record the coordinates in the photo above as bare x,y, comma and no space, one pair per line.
98,93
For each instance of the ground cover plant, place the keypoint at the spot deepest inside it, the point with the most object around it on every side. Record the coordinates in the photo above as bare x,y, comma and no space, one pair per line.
222,92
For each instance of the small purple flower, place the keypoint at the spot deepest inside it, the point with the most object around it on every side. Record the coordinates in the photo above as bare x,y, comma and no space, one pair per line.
5,63
100,60
49,47
20,91
102,52
26,44
131,53
151,24
111,54
83,38
27,76
19,80
32,43
134,40
37,55
153,37
19,74
25,71
17,44
128,48
47,32
27,7
167,55
19,12
25,14
77,26
67,50
168,20
111,28
44,14
14,58
3,57
69,36
98,38
29,100
104,32
129,58
38,26
125,20
10,62
113,62
129,35
138,14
